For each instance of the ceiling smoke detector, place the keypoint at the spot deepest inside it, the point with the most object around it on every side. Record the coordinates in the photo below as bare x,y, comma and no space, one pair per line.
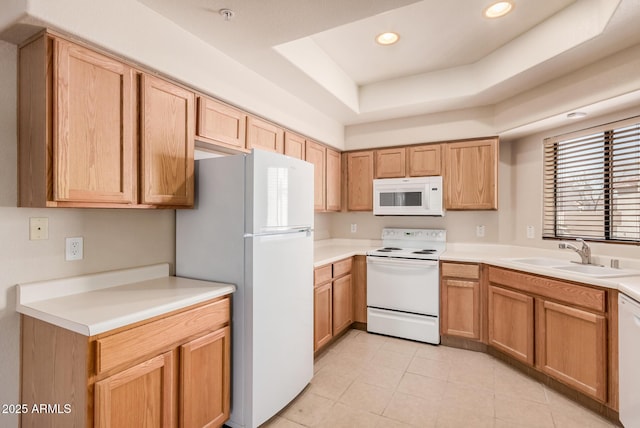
227,14
576,115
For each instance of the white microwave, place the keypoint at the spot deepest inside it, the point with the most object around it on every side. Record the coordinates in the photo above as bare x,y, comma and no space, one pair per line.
408,196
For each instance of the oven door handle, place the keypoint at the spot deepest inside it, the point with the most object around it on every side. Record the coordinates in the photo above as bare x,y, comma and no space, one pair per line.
401,262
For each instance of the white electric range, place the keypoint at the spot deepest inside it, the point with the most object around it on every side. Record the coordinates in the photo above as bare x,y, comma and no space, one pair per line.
403,284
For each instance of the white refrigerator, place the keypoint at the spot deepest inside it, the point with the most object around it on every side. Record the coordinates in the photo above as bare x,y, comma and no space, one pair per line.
252,226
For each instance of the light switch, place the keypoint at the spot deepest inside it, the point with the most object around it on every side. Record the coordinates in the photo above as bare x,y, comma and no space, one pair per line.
38,228
531,232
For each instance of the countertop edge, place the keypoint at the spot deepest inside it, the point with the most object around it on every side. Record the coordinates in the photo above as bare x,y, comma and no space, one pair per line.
629,285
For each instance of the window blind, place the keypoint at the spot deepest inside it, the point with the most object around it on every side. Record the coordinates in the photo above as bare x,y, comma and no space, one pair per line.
592,183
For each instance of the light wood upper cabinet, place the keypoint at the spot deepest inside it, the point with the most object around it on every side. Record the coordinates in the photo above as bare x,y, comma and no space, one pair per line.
471,175
294,145
333,181
360,181
264,135
76,127
315,154
390,163
424,160
571,346
167,143
82,126
221,124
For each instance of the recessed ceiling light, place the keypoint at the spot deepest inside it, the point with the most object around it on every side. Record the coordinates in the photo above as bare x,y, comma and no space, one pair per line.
498,9
388,38
576,115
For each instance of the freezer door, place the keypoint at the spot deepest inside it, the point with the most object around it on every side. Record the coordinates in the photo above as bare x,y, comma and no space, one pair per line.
280,320
279,192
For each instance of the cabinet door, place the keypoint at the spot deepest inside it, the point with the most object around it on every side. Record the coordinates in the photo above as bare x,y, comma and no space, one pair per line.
141,396
322,316
571,346
333,181
360,181
221,123
294,145
424,160
342,304
390,163
315,154
461,308
94,120
511,323
359,284
167,143
205,377
264,135
471,175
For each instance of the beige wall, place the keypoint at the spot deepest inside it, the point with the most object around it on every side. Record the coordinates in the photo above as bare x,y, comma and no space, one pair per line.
113,239
526,192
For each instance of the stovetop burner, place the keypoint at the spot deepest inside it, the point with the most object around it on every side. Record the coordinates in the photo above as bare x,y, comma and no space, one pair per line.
424,244
424,252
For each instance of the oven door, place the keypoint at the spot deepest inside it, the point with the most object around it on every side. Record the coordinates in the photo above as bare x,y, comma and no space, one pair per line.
405,285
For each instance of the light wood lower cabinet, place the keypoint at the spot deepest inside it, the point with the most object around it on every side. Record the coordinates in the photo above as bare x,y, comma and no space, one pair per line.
333,301
460,300
141,396
342,304
169,371
571,338
572,347
322,315
511,323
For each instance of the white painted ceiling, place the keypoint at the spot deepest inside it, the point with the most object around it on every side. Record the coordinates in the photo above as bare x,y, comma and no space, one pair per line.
449,56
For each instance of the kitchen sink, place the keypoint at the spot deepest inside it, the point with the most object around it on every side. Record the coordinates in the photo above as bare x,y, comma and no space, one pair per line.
594,271
597,271
540,261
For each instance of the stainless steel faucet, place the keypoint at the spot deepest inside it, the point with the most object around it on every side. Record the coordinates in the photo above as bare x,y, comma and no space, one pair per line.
584,251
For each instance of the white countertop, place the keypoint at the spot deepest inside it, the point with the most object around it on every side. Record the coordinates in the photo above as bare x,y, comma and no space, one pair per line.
331,250
96,303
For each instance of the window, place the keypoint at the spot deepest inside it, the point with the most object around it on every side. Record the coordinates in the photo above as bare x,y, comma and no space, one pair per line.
592,184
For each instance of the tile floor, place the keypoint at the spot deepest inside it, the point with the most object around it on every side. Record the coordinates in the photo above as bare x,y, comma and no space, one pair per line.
366,380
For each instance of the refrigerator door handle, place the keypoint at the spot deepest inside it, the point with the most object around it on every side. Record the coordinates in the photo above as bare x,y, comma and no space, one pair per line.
281,231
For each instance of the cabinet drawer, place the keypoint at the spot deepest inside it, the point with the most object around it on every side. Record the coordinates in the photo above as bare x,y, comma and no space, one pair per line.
158,335
573,294
322,275
342,267
458,270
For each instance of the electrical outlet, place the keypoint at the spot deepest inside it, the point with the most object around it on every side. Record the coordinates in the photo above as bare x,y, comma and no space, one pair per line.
480,231
38,228
531,232
74,250
354,227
